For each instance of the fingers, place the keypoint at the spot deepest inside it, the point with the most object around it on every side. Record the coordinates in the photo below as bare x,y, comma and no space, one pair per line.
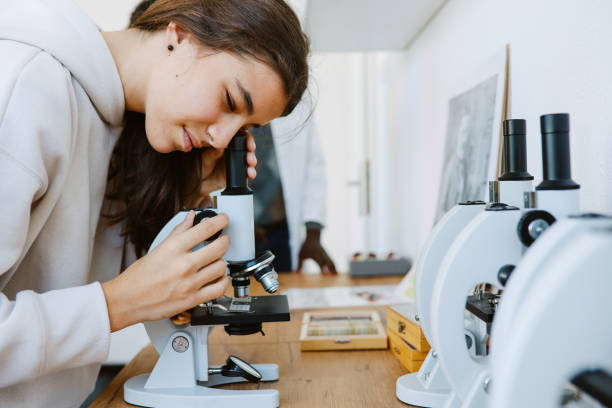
250,142
204,230
185,225
207,275
329,264
323,264
251,159
211,252
213,290
322,259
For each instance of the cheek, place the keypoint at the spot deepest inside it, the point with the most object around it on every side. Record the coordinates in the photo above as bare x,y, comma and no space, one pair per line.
159,136
197,103
187,104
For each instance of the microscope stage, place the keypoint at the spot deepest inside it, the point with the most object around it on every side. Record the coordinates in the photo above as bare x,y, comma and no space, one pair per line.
274,308
483,307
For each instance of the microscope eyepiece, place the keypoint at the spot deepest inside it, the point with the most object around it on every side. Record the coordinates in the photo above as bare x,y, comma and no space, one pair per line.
515,150
236,167
556,153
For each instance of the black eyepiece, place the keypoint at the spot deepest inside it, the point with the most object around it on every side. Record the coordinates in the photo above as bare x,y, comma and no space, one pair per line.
515,150
556,153
236,166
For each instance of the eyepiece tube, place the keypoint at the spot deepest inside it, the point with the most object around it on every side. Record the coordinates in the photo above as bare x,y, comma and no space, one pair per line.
236,166
237,202
515,150
557,173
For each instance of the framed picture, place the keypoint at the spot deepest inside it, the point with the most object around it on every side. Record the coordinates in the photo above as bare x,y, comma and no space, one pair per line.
473,133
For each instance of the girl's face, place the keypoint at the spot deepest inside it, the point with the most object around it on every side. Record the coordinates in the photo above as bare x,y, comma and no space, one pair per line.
199,98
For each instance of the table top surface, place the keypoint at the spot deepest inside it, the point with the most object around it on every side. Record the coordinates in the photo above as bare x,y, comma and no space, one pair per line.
360,378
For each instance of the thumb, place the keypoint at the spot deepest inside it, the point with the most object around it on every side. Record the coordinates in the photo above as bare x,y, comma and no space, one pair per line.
185,225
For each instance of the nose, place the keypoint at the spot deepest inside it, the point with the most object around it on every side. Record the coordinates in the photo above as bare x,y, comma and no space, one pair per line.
222,132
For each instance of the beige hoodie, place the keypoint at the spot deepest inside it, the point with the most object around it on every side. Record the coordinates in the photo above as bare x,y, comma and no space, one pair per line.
61,108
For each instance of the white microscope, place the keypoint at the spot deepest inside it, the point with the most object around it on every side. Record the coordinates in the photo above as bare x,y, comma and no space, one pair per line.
182,376
485,253
551,342
429,387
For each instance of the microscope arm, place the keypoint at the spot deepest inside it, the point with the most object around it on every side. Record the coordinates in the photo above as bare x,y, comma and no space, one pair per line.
561,326
483,247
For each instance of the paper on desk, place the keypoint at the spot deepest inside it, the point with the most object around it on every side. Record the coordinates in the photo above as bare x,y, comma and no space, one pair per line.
342,296
406,286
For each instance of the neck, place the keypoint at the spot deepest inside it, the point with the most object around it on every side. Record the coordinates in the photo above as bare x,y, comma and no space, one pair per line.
135,54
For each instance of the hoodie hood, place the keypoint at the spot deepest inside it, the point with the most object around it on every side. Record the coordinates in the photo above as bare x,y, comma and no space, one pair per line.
61,29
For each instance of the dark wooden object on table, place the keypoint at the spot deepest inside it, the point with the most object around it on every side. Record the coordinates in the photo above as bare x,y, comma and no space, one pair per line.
307,379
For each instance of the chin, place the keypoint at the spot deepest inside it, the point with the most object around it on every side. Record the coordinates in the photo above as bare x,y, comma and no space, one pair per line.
157,137
160,146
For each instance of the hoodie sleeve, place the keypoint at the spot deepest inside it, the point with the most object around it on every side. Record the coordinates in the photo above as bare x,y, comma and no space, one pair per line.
40,333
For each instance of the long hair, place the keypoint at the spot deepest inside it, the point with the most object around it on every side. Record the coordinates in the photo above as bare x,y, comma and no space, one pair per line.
150,187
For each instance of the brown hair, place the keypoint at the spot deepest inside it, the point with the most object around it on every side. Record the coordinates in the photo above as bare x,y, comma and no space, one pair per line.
151,187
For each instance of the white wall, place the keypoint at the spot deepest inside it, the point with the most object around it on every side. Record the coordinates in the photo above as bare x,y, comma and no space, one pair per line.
561,57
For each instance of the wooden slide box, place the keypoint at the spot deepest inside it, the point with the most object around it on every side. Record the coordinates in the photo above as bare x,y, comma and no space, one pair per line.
342,330
407,349
400,324
405,353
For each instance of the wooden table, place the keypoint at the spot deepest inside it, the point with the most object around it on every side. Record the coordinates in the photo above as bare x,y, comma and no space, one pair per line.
307,379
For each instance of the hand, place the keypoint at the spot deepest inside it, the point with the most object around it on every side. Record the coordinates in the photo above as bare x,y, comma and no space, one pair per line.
213,171
311,248
172,278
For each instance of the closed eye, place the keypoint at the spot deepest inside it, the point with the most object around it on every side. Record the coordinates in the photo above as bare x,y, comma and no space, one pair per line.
230,102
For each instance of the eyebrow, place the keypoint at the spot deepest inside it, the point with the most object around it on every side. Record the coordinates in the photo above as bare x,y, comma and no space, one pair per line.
246,96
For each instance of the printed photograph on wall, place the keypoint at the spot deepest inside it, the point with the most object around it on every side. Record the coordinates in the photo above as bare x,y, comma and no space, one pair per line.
472,140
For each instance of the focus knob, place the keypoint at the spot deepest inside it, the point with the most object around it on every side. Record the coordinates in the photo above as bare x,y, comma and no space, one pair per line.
532,224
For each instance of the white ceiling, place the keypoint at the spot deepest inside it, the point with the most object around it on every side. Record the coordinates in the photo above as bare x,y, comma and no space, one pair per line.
364,25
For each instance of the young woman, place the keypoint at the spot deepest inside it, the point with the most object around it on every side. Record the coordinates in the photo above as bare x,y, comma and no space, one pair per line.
103,137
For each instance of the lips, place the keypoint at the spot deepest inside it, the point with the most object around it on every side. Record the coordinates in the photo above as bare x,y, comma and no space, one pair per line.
187,145
189,142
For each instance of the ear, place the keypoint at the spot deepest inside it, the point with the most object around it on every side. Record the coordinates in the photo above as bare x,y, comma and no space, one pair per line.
175,34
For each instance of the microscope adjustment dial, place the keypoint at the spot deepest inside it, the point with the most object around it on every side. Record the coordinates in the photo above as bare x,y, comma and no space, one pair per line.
533,224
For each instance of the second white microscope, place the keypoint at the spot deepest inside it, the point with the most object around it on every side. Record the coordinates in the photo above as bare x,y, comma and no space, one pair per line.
428,387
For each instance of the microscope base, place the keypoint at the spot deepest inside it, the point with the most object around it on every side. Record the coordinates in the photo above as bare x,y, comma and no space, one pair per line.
136,393
427,387
410,389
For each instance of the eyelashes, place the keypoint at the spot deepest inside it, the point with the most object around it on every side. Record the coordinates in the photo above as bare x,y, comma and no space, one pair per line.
230,103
